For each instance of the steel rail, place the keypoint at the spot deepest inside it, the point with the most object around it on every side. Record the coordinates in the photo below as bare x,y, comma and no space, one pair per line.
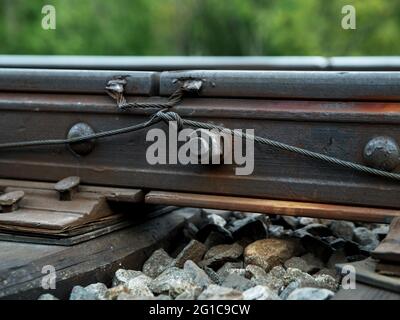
164,63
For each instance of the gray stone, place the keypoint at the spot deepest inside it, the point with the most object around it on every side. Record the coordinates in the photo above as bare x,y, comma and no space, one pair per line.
139,286
216,238
304,278
305,221
278,272
230,268
310,294
343,229
94,291
276,231
127,296
260,293
337,257
198,275
253,271
299,263
314,262
289,289
163,297
381,231
274,283
220,254
194,251
211,233
115,292
216,219
189,294
215,292
237,272
269,253
142,279
221,213
123,276
366,238
293,222
47,296
315,245
274,279
316,229
251,228
237,282
329,272
325,281
190,230
213,275
172,281
157,263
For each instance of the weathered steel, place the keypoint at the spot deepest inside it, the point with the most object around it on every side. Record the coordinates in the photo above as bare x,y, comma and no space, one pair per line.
313,85
382,153
74,81
79,130
41,211
389,248
67,187
289,208
9,201
365,273
336,128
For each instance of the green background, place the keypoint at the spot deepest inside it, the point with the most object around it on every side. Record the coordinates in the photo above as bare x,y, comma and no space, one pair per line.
200,27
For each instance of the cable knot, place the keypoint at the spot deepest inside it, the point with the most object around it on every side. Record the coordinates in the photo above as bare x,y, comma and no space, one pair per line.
171,116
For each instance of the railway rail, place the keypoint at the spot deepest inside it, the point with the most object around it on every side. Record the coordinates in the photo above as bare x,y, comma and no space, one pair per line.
86,169
340,114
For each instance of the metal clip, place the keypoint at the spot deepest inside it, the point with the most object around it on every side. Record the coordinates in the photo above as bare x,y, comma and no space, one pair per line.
9,202
67,188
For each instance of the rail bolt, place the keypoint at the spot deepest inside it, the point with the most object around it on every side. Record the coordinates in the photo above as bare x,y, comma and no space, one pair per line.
80,130
206,147
382,153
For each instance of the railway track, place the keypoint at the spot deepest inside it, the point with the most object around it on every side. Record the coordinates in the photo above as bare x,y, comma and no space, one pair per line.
73,152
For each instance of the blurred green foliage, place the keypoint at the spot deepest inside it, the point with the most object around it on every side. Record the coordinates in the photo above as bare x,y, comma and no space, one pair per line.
200,27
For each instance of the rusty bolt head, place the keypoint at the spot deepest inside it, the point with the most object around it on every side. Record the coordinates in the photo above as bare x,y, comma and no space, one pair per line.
205,146
382,153
81,130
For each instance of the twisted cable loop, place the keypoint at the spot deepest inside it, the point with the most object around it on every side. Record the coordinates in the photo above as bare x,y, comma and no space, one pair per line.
171,116
115,89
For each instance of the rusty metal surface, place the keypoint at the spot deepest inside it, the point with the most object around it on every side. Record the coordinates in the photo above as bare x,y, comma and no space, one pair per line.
389,249
338,128
268,206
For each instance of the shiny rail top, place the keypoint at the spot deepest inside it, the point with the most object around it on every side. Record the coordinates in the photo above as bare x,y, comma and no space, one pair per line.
163,63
